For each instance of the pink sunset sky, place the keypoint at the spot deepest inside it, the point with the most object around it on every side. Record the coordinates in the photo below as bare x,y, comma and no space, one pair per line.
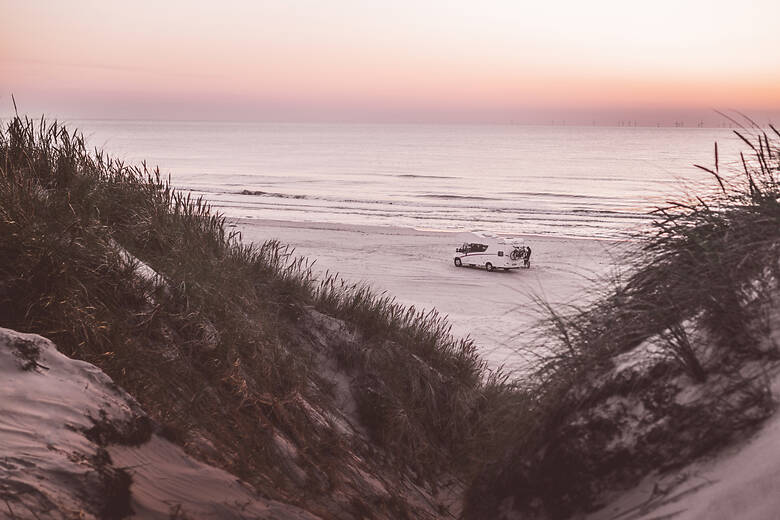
449,60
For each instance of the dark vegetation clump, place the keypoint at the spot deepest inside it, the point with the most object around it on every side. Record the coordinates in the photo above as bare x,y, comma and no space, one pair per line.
112,491
119,269
134,431
694,312
28,354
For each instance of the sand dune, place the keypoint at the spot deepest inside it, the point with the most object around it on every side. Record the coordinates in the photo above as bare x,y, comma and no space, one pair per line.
741,482
74,445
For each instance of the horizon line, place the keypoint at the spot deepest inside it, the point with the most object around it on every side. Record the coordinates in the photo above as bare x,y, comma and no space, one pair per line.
627,123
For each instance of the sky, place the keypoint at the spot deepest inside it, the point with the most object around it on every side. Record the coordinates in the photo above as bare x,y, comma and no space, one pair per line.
599,61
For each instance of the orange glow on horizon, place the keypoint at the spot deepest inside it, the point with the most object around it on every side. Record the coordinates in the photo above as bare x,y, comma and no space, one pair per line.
438,57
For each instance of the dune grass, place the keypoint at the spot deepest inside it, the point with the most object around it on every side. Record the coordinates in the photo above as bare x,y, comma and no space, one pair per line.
702,285
710,257
209,342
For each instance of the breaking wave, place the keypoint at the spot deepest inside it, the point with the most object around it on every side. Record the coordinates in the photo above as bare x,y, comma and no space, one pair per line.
258,193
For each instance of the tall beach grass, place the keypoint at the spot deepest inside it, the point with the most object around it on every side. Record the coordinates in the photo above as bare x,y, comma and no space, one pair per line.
210,342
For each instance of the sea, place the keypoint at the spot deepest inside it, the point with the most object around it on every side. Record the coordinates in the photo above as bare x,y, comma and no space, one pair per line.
572,181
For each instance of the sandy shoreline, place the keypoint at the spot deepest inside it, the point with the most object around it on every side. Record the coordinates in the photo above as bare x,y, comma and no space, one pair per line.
416,267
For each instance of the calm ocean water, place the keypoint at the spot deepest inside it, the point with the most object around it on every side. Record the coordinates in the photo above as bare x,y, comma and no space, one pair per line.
569,181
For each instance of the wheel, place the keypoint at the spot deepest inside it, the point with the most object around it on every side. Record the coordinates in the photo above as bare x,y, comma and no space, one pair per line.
489,266
458,263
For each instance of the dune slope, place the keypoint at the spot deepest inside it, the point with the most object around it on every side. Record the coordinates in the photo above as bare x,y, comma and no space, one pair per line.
73,443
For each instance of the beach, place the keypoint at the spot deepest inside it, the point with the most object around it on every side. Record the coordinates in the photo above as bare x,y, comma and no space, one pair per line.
496,309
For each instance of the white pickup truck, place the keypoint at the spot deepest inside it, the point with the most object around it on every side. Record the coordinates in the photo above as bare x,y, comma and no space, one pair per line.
493,252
